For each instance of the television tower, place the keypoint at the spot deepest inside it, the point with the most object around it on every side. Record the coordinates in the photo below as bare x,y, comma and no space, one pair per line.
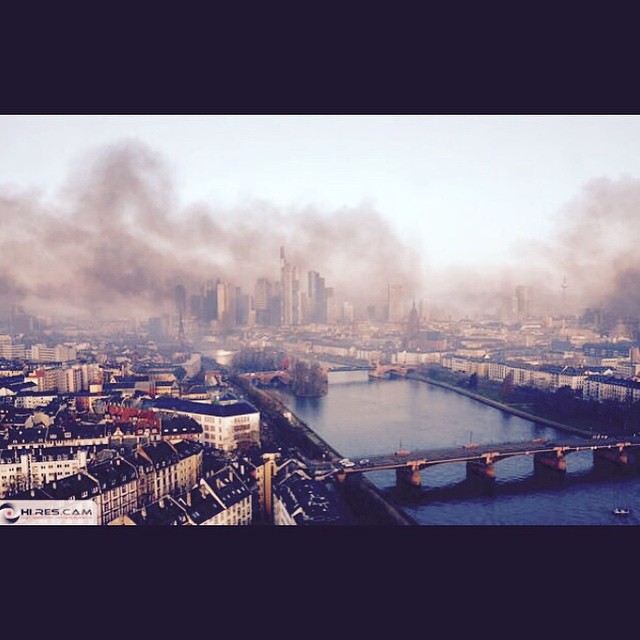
564,301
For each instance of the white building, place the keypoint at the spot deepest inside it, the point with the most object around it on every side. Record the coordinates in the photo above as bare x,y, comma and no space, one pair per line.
34,399
225,425
10,350
27,469
59,353
609,388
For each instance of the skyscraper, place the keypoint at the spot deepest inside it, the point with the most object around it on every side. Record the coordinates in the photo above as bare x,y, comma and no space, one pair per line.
180,300
317,298
395,303
210,301
332,306
227,311
522,303
289,289
242,307
195,306
181,308
261,302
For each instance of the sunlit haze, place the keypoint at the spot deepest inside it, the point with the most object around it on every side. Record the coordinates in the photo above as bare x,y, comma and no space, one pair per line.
113,211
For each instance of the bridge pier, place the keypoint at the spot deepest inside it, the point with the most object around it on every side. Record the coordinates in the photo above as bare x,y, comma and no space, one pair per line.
554,460
617,456
408,477
481,468
341,476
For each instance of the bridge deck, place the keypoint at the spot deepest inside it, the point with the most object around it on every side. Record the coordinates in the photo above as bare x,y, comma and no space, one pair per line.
420,459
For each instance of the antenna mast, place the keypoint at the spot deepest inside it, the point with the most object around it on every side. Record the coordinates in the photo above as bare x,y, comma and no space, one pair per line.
564,301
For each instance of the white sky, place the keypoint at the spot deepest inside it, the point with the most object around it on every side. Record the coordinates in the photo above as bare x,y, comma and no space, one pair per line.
462,189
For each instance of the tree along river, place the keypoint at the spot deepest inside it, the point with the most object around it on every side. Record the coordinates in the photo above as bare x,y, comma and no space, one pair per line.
360,417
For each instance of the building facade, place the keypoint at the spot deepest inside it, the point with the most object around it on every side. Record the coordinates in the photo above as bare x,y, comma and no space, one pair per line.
225,425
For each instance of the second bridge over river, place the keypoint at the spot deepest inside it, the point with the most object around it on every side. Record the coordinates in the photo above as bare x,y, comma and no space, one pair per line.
481,459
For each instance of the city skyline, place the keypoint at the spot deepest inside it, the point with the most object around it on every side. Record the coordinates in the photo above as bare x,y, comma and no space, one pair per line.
118,210
233,320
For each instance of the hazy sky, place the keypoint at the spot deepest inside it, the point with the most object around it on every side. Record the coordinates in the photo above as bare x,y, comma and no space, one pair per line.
469,192
461,189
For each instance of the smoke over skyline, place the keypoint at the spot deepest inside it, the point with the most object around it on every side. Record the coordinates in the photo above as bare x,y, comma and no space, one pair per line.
116,240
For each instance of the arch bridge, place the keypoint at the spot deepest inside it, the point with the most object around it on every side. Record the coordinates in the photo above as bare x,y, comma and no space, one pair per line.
383,370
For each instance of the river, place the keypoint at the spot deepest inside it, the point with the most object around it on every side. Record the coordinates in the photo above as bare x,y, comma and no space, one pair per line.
361,417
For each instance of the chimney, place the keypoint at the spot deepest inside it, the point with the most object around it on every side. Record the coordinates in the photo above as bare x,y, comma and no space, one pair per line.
188,498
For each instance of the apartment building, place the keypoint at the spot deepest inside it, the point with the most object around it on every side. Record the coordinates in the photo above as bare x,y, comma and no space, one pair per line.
227,426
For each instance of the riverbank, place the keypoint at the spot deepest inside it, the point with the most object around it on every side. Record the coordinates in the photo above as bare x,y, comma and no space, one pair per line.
503,407
363,497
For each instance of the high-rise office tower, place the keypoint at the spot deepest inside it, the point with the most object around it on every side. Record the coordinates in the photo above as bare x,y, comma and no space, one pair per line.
262,295
210,301
395,301
348,312
522,303
181,308
157,329
21,322
242,307
289,289
332,306
180,300
227,311
195,306
317,298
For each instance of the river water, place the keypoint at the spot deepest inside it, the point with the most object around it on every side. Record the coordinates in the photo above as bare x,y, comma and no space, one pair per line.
360,417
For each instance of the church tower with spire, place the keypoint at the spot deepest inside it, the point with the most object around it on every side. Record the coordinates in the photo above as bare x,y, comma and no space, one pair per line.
413,324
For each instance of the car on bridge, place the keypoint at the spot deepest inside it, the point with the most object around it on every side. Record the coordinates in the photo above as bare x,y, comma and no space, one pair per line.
346,463
365,462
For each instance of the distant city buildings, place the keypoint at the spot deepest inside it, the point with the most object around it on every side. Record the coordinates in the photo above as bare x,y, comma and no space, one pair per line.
221,307
522,303
395,303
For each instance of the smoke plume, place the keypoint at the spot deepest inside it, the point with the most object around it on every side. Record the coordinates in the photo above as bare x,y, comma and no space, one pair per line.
116,242
597,245
590,260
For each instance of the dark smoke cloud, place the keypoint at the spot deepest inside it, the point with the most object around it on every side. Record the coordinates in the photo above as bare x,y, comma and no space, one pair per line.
596,246
593,250
116,242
